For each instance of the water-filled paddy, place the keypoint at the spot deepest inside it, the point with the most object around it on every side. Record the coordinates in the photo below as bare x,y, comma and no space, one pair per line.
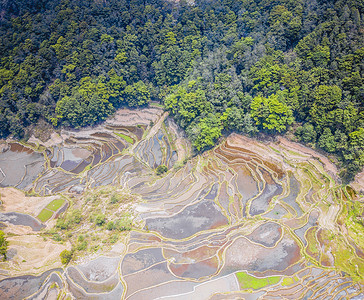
201,216
24,286
239,208
20,166
21,219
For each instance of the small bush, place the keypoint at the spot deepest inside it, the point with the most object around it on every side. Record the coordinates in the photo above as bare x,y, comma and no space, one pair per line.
66,256
124,224
115,198
82,246
57,237
161,169
76,217
62,224
100,219
114,238
65,223
110,226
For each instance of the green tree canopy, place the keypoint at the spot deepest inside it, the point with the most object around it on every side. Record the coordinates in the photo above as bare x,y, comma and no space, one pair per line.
326,99
270,114
137,94
205,133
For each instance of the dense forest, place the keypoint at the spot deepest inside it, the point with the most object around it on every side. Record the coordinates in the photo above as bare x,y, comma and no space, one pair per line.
249,66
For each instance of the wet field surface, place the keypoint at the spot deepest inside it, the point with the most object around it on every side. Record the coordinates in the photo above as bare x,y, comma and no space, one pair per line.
21,219
211,226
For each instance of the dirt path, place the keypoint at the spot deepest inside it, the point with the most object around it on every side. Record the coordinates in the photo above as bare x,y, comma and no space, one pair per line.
153,131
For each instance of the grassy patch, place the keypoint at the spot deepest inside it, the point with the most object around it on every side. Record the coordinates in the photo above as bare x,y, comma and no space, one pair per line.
275,150
125,137
247,281
55,204
89,167
312,243
289,280
156,105
45,215
346,259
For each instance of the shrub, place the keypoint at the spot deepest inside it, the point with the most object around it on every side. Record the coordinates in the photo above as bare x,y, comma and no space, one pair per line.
124,224
110,226
114,238
161,169
82,246
100,219
57,237
66,256
114,198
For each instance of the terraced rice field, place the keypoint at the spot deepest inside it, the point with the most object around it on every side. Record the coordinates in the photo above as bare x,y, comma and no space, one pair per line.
245,220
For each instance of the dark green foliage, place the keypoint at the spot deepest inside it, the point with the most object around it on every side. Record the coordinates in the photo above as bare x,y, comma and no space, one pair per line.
306,133
218,66
123,224
205,132
327,141
71,218
81,245
137,94
56,237
161,169
99,219
114,198
110,225
3,245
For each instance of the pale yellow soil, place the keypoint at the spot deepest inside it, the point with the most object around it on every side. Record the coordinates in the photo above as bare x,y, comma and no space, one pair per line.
123,117
327,220
33,255
14,200
54,140
283,145
183,146
133,117
17,229
328,165
254,146
153,131
81,153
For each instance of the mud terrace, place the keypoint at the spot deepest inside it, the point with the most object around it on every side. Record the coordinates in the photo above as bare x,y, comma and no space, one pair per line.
245,220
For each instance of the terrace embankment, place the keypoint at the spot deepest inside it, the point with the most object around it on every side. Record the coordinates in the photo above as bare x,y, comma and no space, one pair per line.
246,219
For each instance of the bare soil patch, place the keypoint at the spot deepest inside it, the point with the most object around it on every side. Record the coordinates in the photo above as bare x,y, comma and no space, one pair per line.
33,255
14,200
133,117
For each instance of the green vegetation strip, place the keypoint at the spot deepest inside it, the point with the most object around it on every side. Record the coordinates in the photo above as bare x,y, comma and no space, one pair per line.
125,137
45,215
289,280
247,281
55,204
